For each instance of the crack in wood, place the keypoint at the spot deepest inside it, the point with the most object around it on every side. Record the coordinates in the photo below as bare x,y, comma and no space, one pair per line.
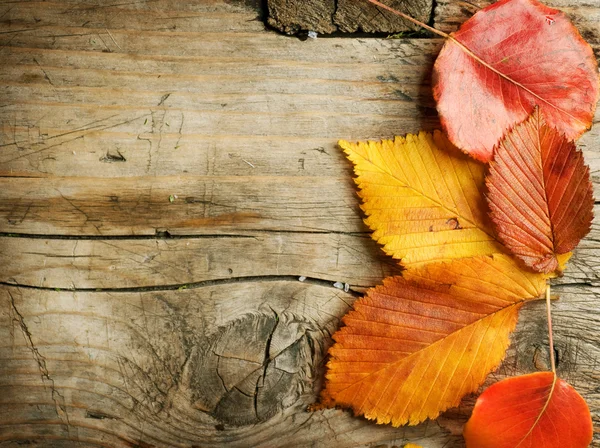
254,367
200,284
165,234
57,397
266,362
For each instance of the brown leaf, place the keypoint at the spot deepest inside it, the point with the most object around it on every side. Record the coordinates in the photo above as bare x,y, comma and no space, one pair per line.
540,194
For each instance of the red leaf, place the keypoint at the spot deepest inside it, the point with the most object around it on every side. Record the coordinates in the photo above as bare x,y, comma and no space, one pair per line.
540,194
529,54
531,411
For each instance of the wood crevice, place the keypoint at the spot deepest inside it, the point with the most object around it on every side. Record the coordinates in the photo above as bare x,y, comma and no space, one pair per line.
165,234
350,289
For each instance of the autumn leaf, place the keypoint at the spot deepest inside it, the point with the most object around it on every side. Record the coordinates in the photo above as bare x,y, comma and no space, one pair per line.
540,194
416,345
537,410
505,60
423,198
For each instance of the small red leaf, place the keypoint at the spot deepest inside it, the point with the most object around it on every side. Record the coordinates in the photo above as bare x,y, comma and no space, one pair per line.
531,411
540,194
527,54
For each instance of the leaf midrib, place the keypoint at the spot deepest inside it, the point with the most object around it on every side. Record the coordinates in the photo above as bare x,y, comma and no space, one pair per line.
439,341
542,412
468,51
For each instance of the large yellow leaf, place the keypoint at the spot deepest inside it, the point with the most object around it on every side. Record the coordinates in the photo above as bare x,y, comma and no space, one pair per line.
416,345
423,198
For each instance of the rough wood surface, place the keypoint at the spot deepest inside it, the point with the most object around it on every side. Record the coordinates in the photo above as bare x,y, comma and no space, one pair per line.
311,15
347,16
168,175
351,16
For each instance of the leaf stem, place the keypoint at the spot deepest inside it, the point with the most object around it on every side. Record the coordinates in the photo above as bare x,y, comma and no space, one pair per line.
550,338
445,36
410,19
473,55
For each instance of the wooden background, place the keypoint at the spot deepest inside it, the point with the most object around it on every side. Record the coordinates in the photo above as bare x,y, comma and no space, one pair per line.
168,173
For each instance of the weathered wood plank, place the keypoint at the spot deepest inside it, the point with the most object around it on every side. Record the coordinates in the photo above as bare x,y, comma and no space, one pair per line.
110,108
186,205
190,205
155,15
337,61
108,374
130,380
225,46
116,264
348,16
185,262
309,124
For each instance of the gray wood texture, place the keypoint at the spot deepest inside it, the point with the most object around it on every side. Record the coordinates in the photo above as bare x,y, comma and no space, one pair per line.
168,175
347,16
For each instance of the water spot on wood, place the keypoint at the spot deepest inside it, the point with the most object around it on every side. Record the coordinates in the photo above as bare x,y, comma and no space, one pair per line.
30,78
253,368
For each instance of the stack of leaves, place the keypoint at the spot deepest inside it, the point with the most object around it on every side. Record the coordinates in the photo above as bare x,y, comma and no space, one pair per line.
478,231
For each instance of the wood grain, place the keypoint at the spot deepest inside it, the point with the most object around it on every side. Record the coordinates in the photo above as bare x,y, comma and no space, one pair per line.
184,262
352,16
347,16
122,369
168,174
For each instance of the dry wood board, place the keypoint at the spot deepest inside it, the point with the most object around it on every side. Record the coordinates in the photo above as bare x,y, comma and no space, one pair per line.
168,175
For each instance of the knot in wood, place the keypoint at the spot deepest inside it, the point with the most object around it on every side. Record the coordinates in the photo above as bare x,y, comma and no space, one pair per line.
254,367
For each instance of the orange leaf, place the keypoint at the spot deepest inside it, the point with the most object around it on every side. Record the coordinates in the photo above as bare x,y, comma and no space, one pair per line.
537,410
540,194
423,198
415,346
525,54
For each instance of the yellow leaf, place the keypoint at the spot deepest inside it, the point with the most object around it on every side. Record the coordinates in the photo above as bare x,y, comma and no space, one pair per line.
423,198
416,345
562,262
412,445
